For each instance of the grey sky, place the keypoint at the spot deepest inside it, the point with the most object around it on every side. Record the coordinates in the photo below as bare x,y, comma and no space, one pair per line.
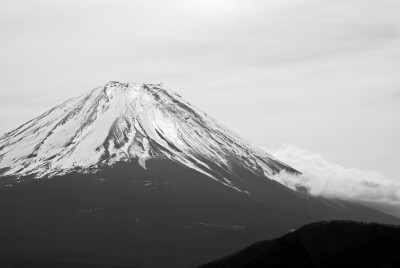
323,75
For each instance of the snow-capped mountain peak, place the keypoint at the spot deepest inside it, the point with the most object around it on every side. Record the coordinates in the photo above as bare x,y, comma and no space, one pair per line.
127,122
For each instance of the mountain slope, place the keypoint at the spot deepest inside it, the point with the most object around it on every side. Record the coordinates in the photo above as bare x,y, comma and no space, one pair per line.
135,176
323,244
162,216
122,122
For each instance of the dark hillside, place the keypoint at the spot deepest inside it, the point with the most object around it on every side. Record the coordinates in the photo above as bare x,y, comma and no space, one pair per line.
324,244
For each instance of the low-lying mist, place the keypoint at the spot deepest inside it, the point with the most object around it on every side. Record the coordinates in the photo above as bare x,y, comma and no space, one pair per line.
322,178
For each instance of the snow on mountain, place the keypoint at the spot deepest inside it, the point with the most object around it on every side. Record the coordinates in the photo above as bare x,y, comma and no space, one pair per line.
126,122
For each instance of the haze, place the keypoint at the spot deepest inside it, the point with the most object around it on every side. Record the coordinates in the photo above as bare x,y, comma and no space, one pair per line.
322,75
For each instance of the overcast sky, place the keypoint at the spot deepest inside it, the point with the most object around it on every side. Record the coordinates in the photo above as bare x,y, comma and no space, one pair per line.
323,75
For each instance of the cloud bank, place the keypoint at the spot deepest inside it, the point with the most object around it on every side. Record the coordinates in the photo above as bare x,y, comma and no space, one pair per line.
322,178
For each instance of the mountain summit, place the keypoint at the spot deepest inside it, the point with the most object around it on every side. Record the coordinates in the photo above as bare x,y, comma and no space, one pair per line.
134,176
125,122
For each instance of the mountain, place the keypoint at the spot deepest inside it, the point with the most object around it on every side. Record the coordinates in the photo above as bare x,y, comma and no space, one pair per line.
122,122
129,175
323,244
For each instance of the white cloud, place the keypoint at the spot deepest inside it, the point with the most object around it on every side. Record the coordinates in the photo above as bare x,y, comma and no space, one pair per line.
329,180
